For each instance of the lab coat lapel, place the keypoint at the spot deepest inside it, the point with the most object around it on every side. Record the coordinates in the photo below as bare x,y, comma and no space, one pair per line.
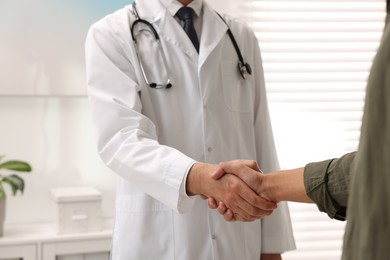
171,31
150,10
166,26
213,31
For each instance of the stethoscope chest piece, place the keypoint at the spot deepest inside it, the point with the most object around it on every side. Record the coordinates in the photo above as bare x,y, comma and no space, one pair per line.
244,69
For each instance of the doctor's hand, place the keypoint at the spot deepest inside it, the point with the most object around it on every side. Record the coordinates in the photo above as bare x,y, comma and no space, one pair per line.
229,189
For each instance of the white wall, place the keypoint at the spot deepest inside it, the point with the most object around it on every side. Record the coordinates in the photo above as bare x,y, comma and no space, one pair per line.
56,136
42,53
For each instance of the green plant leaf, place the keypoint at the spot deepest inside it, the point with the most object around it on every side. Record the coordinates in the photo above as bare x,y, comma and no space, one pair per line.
16,166
2,192
15,182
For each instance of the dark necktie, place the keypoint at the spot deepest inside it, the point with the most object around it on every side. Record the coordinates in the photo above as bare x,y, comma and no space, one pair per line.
185,14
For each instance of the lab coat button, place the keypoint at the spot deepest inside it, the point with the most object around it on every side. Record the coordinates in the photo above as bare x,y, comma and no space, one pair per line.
213,237
209,149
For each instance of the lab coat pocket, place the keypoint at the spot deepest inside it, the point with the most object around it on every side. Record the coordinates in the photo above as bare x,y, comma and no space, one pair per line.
143,229
237,92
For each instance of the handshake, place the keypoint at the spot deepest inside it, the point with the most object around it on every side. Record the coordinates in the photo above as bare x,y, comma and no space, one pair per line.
240,191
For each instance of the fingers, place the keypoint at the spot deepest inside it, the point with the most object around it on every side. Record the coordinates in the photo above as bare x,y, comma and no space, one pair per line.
203,197
245,171
218,173
222,208
233,166
251,164
244,201
250,200
212,203
249,212
237,191
261,208
255,200
229,216
247,163
242,171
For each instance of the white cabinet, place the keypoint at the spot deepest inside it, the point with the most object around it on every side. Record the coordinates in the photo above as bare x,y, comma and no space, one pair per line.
16,252
101,256
15,246
79,249
40,242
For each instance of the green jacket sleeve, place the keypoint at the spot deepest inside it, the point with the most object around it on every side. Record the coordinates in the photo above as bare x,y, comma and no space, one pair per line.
327,184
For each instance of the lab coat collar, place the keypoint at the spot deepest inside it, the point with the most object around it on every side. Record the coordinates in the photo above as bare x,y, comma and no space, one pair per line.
155,10
173,6
150,10
213,31
156,13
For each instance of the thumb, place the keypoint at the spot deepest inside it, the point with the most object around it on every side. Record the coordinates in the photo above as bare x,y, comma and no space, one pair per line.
218,173
238,169
244,171
251,164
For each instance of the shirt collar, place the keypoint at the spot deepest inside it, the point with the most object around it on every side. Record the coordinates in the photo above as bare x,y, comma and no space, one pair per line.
173,6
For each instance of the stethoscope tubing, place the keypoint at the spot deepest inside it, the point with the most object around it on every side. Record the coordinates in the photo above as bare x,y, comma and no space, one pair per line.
138,21
243,67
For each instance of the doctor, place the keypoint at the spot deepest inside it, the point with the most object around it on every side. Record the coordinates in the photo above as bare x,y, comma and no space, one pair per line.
167,107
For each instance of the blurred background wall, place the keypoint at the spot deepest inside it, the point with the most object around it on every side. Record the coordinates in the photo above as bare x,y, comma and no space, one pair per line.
44,111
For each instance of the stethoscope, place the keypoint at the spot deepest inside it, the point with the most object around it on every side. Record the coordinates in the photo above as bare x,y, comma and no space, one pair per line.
243,67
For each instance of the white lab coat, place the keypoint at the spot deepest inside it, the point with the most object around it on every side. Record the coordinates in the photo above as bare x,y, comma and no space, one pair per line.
150,137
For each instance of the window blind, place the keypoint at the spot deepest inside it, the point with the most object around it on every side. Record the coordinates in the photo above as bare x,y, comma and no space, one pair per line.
316,55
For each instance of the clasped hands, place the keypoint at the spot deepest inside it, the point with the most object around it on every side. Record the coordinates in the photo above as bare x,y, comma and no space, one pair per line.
237,189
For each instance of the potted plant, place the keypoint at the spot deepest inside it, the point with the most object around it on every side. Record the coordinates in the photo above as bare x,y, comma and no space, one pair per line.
14,181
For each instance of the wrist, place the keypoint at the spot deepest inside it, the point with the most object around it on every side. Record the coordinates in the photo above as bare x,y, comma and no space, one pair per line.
269,184
287,185
195,184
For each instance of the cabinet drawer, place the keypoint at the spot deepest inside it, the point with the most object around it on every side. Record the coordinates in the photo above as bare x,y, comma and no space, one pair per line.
17,252
92,256
77,250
